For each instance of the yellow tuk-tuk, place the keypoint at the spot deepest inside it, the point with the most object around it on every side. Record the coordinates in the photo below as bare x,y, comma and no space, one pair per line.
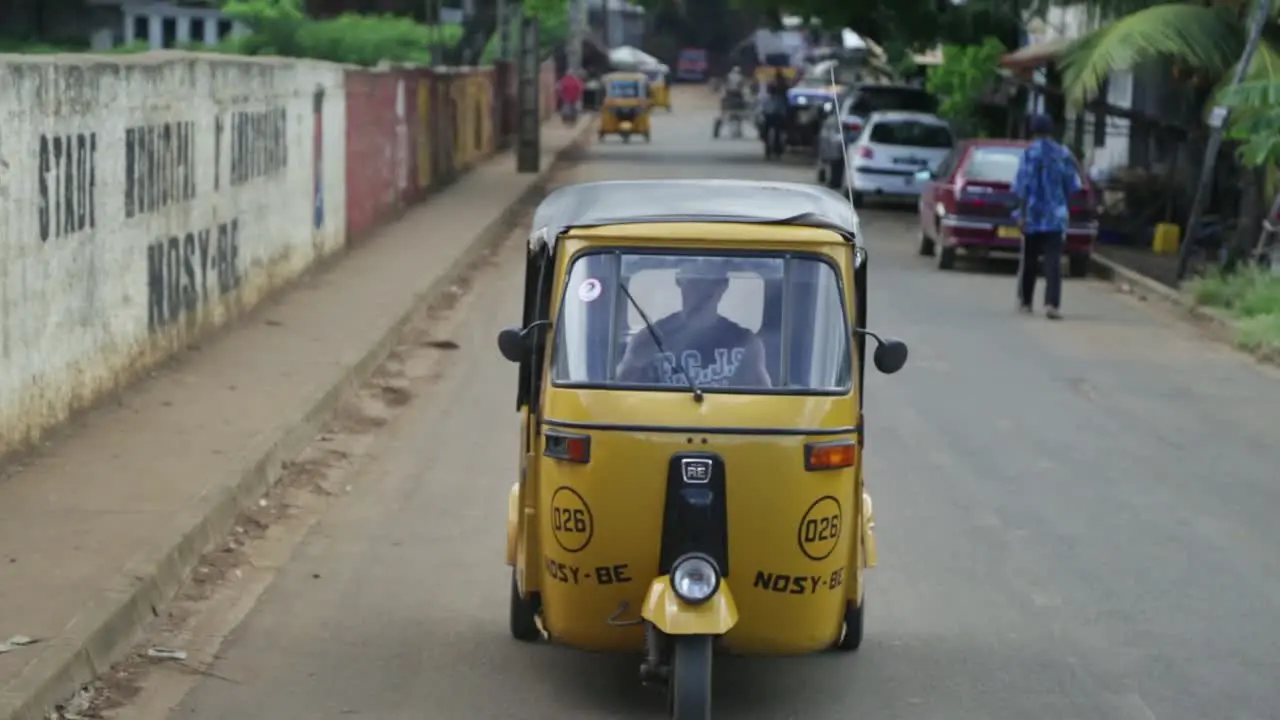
626,107
658,87
691,371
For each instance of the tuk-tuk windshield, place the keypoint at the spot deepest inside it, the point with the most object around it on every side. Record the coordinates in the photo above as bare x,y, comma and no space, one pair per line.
764,323
624,89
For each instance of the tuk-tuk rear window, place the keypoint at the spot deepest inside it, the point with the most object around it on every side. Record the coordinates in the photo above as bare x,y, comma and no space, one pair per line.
624,89
764,323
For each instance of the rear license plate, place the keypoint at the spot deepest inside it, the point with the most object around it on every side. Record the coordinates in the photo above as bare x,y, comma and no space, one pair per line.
1008,232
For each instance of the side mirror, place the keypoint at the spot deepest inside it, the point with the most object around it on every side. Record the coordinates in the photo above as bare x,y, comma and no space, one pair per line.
890,355
512,346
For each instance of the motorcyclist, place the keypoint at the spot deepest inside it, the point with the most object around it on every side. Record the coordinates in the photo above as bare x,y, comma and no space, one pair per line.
775,105
734,81
569,89
734,97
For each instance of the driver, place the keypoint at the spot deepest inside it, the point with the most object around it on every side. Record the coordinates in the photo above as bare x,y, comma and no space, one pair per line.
712,349
734,81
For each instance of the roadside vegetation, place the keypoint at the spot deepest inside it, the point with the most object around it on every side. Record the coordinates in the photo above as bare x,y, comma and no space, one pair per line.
1251,298
965,77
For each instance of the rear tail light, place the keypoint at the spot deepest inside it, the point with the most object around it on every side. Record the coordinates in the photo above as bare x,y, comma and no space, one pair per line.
830,455
852,126
569,447
865,153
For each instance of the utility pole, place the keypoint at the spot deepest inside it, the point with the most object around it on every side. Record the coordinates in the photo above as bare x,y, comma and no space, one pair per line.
577,23
504,29
605,23
433,21
528,148
1217,124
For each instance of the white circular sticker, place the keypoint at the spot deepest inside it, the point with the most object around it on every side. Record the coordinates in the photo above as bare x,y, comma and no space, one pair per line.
589,290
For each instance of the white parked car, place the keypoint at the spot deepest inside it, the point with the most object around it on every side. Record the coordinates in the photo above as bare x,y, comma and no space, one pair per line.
891,149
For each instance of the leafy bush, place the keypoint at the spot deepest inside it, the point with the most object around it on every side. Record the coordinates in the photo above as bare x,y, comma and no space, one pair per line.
966,72
553,28
1252,298
281,28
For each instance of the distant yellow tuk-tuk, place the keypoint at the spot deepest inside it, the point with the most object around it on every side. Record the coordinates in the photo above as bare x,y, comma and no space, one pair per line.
626,107
659,88
691,371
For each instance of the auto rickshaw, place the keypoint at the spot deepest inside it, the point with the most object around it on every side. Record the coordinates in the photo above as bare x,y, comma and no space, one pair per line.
659,87
626,107
682,339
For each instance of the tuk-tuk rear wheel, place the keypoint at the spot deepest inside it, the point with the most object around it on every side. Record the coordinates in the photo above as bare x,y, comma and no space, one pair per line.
851,638
523,615
690,689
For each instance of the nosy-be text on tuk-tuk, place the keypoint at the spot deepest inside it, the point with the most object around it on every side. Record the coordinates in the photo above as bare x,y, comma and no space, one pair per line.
691,363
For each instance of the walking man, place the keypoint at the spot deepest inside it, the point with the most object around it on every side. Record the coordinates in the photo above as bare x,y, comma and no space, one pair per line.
1047,177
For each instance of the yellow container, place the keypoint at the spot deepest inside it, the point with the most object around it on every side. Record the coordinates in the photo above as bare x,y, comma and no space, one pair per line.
1165,239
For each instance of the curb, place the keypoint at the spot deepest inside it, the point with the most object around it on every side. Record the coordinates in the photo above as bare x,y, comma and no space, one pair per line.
110,624
1220,326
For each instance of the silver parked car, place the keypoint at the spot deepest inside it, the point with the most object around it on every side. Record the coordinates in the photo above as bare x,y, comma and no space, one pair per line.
891,149
856,106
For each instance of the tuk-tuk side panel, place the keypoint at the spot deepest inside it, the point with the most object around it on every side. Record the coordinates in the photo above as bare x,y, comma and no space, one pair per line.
540,276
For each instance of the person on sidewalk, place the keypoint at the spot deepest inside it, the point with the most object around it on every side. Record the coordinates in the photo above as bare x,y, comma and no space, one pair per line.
1047,177
569,90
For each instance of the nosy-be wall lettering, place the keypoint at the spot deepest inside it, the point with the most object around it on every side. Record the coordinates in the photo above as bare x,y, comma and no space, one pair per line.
67,181
185,273
159,166
146,201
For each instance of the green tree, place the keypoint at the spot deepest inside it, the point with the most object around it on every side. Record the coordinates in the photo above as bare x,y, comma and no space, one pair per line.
966,72
1204,38
1205,41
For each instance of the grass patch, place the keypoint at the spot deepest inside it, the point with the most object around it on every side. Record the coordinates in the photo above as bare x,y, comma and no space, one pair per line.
1252,298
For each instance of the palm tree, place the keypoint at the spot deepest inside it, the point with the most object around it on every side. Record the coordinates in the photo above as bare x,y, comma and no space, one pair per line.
1202,40
1205,38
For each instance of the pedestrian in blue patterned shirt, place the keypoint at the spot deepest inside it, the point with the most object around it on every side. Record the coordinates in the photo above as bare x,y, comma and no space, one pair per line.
1047,177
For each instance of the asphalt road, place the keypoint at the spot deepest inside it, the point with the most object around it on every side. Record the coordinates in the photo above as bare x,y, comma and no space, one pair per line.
1076,520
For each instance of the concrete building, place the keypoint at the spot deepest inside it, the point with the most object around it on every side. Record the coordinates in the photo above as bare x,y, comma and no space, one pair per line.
159,24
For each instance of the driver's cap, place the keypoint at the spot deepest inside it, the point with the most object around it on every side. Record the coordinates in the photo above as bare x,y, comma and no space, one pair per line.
703,268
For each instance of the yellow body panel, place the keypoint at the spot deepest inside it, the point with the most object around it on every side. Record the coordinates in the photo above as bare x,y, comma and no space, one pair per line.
766,74
661,94
673,616
591,533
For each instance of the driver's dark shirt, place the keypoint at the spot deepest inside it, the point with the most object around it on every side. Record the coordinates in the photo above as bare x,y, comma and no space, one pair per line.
712,355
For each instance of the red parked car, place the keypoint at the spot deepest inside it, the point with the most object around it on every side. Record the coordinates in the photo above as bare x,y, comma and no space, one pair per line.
968,206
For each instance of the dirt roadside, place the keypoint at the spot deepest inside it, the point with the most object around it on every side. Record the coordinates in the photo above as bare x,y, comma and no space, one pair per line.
101,529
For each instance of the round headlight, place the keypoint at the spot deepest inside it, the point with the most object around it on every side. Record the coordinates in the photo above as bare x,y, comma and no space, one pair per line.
695,579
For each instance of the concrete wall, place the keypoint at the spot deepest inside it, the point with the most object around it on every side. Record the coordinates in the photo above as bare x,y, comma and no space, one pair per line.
145,200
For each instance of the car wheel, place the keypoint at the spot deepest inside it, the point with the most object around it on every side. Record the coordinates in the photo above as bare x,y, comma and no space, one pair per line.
946,257
1078,265
927,247
822,174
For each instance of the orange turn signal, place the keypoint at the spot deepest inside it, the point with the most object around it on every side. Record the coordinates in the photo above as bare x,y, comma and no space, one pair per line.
567,446
830,455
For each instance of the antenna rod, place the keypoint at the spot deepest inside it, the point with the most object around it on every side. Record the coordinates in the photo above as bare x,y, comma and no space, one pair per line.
844,149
